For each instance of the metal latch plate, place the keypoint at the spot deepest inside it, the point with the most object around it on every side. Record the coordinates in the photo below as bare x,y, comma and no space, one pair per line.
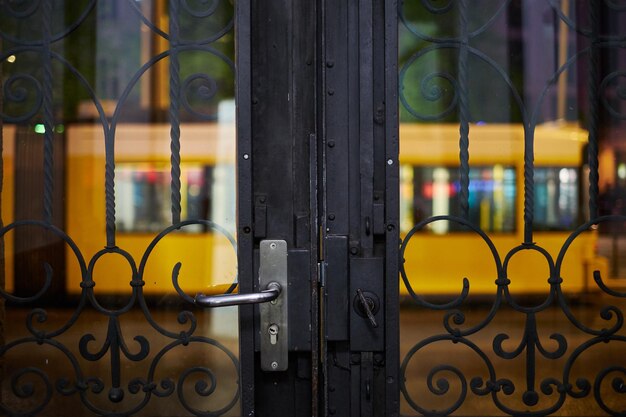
274,329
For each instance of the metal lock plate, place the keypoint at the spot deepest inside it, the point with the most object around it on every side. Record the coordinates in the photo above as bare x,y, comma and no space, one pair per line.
274,330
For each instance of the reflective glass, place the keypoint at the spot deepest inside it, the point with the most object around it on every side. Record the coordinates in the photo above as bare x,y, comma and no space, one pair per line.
511,144
118,206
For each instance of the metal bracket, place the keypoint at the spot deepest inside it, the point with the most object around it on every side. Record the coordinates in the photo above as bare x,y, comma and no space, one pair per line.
274,328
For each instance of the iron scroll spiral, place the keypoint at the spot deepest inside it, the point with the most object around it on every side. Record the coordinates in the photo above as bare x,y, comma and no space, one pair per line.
92,349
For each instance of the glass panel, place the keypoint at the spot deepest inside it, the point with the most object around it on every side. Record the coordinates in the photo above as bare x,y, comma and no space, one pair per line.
509,121
118,201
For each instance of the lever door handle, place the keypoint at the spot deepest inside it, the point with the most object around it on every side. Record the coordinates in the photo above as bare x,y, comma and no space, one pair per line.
270,293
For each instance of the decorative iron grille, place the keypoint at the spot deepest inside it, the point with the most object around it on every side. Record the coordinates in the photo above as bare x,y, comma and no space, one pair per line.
485,372
35,31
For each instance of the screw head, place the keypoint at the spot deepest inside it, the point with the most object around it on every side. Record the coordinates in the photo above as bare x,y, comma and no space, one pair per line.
274,365
273,245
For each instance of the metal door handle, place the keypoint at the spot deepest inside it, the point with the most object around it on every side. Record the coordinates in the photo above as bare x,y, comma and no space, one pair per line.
270,293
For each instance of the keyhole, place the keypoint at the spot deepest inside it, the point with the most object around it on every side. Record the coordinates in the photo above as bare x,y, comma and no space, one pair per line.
273,332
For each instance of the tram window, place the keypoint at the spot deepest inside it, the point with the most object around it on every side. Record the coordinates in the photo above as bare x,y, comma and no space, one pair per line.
143,197
435,191
556,198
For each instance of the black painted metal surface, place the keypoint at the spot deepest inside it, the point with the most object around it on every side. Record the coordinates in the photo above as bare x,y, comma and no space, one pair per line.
360,204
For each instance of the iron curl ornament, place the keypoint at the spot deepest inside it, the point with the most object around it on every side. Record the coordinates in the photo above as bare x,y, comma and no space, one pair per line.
115,346
530,347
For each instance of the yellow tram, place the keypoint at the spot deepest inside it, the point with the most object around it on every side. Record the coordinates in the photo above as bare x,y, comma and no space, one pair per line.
443,253
436,260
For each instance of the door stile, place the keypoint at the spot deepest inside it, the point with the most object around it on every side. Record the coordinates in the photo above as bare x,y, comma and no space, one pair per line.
278,176
392,209
360,213
245,241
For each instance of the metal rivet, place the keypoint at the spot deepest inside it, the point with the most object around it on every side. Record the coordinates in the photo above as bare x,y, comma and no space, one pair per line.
246,229
331,92
331,217
390,227
330,64
273,245
246,156
331,143
389,161
354,250
274,365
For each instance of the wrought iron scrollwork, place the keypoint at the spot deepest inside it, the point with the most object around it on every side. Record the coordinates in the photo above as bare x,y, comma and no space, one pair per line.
29,96
537,392
114,345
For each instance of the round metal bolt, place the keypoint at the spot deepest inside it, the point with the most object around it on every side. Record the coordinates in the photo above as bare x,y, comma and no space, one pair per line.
331,217
389,161
331,92
331,143
354,250
274,365
273,245
330,64
246,156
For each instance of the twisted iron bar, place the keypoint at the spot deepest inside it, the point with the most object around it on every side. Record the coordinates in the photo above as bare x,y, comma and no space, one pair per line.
594,112
464,115
174,111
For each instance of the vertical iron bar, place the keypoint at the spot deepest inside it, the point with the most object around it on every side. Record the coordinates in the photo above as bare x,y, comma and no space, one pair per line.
463,112
529,182
174,30
109,187
594,113
48,114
